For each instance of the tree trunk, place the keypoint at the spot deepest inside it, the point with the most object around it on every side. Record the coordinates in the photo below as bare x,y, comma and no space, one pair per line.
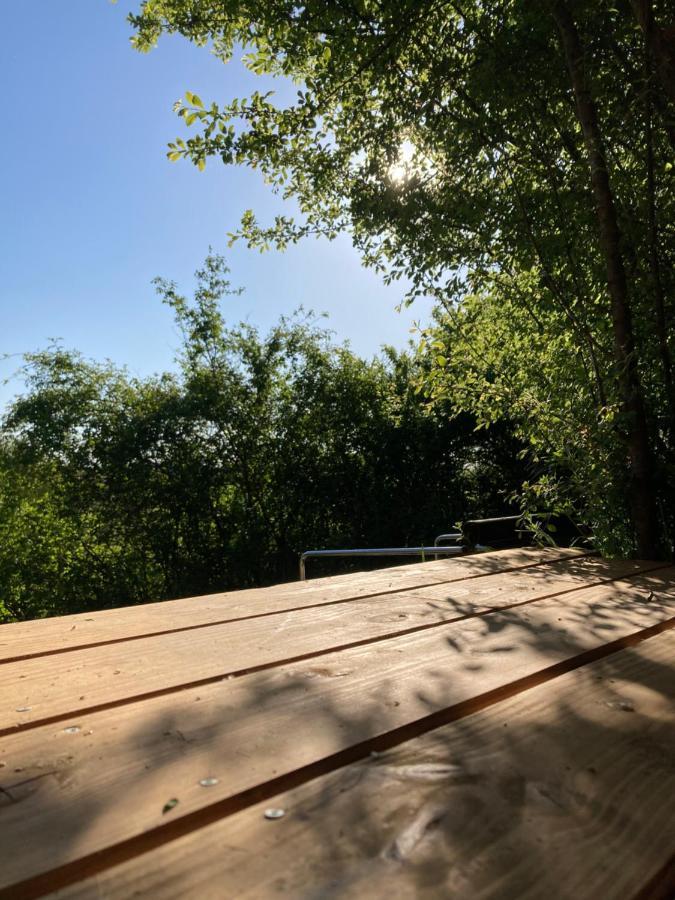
661,49
641,489
660,43
654,260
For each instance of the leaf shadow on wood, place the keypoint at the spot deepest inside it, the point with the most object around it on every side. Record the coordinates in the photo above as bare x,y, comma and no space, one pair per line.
503,789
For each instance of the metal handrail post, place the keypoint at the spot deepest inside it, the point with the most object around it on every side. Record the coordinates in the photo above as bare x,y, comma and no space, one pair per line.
455,536
379,551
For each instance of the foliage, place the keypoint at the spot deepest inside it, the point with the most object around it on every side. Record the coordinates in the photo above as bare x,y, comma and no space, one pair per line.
118,490
492,357
507,155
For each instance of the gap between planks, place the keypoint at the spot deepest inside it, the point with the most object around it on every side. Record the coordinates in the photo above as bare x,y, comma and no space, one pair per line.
573,799
124,851
20,632
662,885
29,695
102,796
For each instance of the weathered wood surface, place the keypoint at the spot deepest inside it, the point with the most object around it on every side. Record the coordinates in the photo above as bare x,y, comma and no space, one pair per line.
558,792
227,715
63,633
84,679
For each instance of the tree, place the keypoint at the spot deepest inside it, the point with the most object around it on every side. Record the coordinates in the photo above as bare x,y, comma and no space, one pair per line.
471,147
118,490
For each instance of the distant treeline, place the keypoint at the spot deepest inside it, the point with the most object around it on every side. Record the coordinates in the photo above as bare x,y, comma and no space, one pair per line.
118,490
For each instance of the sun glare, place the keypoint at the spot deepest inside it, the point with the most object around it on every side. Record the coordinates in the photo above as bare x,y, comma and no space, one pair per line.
402,169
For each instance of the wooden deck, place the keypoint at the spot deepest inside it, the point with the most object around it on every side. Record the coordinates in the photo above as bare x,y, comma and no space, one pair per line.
500,725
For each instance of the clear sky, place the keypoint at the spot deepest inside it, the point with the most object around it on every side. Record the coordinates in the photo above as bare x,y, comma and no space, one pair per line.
91,210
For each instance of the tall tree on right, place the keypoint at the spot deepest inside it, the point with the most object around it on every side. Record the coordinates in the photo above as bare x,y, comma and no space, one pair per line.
521,153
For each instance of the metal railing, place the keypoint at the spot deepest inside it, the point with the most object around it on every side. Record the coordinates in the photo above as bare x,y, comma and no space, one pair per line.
442,538
434,551
447,537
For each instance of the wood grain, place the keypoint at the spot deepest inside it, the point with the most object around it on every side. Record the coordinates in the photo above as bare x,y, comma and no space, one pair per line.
22,639
83,792
567,791
45,689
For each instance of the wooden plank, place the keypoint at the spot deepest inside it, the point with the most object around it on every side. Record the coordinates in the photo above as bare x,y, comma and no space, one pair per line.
22,639
45,689
584,571
103,781
566,790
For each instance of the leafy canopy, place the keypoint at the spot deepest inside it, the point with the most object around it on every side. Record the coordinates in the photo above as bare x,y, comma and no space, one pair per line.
521,154
118,490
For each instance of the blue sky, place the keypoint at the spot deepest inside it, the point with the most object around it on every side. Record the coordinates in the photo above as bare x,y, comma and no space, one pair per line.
92,210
